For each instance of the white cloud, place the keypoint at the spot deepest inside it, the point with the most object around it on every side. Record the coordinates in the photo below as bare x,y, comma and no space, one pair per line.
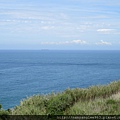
106,31
103,43
65,42
79,42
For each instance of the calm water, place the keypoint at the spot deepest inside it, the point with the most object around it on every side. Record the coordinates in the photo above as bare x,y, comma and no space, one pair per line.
24,73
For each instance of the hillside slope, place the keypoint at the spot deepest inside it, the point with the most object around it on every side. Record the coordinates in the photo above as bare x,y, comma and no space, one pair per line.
95,100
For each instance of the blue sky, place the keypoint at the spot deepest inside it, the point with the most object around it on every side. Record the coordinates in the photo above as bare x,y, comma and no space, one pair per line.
60,24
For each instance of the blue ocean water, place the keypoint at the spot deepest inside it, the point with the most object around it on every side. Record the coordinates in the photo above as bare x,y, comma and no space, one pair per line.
25,73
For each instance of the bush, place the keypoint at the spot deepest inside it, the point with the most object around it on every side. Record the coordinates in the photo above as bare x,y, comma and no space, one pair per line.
58,104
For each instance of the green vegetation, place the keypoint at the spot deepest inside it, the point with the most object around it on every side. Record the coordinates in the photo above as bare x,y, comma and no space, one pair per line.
95,100
3,112
98,106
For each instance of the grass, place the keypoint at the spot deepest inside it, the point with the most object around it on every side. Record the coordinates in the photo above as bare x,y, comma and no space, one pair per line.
95,100
99,106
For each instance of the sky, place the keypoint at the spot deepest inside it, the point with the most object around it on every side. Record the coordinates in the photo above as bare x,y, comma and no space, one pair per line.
60,24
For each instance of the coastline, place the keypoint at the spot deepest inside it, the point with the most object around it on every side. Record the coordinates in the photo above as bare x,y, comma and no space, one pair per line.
69,101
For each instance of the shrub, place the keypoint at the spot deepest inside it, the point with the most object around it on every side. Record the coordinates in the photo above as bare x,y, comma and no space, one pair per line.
58,104
3,112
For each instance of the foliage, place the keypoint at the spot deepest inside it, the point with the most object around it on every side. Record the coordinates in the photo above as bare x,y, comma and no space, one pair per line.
98,106
63,103
35,105
3,112
58,104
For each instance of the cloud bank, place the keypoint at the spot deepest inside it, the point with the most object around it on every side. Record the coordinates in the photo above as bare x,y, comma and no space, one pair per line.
103,43
81,42
106,31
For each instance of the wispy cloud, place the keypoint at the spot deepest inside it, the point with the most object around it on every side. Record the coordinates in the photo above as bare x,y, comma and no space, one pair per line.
103,43
106,31
81,42
55,21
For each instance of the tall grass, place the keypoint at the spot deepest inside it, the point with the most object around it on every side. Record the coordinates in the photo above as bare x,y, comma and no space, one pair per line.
99,106
34,105
57,104
61,102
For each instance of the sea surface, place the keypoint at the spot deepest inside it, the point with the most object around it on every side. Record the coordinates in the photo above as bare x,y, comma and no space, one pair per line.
27,73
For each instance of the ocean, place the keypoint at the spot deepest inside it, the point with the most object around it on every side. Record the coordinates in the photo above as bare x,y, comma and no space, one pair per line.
24,73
